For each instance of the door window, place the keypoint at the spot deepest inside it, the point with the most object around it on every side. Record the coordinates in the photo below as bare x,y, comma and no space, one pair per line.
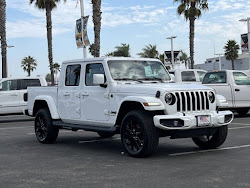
92,69
9,85
215,78
188,76
241,78
73,75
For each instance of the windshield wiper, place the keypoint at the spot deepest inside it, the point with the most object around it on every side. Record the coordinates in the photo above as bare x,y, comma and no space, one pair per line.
153,79
128,79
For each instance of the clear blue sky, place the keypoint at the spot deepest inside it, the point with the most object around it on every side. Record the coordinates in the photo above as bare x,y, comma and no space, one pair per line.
137,23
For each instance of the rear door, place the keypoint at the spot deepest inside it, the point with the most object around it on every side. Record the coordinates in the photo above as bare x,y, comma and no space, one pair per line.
69,97
241,88
219,81
9,97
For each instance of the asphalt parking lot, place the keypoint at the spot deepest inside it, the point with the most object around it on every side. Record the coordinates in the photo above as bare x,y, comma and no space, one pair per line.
82,159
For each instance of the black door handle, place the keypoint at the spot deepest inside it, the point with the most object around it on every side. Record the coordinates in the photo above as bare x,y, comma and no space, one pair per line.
237,89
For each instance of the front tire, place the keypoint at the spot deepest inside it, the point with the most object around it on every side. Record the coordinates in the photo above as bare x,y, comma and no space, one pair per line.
45,132
139,135
213,141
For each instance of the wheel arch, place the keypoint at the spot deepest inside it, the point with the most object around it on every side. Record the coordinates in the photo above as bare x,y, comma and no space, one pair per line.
46,102
129,105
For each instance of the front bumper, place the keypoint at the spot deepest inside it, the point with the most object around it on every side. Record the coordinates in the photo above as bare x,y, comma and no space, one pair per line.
185,121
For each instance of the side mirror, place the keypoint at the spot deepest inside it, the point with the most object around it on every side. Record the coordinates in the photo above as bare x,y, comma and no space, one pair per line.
172,77
98,79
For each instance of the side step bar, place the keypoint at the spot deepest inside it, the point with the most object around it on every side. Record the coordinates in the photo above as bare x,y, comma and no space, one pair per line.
75,127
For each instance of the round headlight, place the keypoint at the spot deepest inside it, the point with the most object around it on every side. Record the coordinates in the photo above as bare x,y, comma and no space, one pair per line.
170,98
211,97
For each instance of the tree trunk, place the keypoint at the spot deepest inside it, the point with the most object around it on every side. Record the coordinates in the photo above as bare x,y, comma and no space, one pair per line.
191,41
49,40
97,25
232,64
3,37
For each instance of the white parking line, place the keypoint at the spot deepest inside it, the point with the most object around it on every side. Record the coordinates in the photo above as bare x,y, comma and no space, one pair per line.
240,124
232,128
6,128
59,132
89,141
211,150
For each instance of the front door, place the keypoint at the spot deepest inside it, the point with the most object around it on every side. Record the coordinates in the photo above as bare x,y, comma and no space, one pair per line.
95,99
9,97
69,96
241,89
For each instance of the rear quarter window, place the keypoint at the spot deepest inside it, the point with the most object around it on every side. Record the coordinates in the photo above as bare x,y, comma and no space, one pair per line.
24,83
188,76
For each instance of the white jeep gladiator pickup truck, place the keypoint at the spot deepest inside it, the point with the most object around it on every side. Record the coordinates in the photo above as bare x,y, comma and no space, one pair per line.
130,96
234,85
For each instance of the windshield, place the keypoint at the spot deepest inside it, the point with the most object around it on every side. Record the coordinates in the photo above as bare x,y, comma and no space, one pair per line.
138,70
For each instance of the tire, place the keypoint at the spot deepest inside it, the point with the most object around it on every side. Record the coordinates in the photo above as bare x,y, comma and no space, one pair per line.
106,134
139,135
213,141
45,132
242,112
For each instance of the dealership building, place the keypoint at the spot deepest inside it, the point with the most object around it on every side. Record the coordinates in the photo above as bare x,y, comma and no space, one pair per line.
242,63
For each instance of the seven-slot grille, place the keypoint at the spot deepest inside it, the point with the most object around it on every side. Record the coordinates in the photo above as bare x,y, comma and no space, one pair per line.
192,101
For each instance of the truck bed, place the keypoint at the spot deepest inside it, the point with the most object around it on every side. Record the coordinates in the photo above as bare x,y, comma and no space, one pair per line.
34,92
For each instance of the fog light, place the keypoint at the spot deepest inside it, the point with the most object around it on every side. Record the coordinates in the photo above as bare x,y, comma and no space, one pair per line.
228,118
172,122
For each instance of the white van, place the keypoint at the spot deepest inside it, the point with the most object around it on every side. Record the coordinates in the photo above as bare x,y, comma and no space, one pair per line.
12,91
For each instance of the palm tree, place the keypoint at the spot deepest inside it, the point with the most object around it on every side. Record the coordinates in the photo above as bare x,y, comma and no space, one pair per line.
191,9
29,64
48,6
149,51
231,51
3,37
95,48
184,59
121,51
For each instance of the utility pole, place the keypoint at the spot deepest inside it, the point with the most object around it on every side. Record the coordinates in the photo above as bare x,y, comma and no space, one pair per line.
82,18
248,35
219,60
172,49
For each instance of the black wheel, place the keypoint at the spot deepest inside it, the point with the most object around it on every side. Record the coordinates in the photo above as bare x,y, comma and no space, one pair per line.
46,133
213,141
106,134
139,136
242,112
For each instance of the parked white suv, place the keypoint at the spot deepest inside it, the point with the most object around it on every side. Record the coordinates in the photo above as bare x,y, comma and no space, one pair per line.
12,91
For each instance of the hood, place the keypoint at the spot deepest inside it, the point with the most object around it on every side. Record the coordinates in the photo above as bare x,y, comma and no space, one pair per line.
152,88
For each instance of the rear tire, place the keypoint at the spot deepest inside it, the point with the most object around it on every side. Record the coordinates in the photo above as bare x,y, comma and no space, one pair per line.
106,134
213,141
139,135
45,132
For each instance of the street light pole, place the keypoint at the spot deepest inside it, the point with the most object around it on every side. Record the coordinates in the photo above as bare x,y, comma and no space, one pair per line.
172,49
219,60
82,17
248,36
